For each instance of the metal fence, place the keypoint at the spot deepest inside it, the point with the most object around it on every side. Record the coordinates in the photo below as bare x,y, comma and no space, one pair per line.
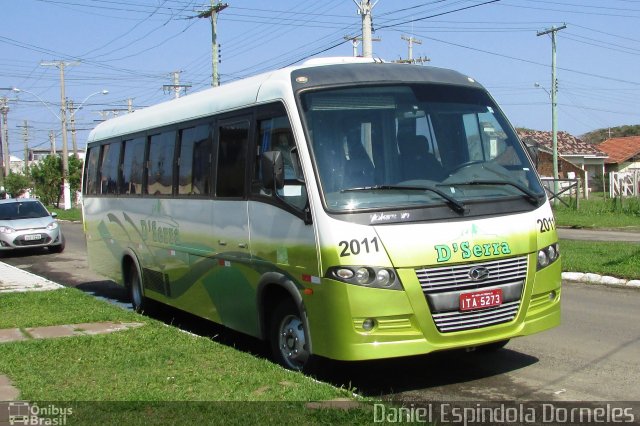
566,191
624,184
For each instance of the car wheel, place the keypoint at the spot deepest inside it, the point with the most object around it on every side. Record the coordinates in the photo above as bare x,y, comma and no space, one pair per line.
60,247
288,337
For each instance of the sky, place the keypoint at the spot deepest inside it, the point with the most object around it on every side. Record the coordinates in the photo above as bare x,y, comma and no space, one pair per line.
132,48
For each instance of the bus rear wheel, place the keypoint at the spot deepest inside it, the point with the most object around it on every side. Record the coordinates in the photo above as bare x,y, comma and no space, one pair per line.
136,291
289,341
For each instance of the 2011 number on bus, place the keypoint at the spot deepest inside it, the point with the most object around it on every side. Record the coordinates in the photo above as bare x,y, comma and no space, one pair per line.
354,247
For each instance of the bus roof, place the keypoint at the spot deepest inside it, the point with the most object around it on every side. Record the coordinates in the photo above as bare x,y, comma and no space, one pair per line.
272,86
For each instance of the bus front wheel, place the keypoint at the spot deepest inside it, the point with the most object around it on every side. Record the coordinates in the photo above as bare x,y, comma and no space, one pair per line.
288,337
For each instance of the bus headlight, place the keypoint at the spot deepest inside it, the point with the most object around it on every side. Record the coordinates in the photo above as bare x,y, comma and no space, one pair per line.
363,276
548,255
366,276
384,278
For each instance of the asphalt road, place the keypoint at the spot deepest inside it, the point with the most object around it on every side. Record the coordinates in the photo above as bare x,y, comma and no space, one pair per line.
598,235
592,356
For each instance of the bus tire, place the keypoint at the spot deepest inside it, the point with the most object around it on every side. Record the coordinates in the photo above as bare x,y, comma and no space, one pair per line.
288,337
136,290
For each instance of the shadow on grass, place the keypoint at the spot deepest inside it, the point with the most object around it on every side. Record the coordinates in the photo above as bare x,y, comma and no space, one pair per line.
454,370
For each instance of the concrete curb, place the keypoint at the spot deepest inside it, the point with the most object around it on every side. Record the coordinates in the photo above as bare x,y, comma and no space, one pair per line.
14,279
589,278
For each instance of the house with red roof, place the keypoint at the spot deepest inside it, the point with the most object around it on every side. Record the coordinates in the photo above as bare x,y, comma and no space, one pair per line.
575,157
624,153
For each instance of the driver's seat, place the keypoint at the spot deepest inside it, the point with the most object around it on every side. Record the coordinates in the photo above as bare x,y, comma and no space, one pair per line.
417,162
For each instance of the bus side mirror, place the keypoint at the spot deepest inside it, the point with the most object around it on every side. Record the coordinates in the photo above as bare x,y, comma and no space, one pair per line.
272,170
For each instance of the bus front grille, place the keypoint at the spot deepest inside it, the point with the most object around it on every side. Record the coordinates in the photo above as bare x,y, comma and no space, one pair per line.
442,287
458,321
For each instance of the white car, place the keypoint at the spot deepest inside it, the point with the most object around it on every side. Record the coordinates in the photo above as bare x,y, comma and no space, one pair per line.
26,223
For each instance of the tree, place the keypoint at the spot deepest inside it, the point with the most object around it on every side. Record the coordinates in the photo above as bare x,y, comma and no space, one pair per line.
75,174
601,135
47,179
17,184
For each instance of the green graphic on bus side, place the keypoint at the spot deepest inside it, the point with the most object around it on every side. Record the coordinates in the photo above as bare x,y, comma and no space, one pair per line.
159,234
445,251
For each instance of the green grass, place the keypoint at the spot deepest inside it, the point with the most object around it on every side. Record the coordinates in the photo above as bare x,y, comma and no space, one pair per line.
154,362
600,212
65,306
74,214
617,259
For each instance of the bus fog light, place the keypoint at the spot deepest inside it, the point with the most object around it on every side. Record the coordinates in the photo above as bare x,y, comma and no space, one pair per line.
368,324
384,278
363,276
552,295
543,259
344,273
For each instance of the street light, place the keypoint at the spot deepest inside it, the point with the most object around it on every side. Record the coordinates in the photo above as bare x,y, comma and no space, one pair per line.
539,86
554,135
66,191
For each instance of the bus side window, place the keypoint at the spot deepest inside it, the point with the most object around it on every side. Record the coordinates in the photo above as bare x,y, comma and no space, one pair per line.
91,172
194,161
160,177
132,166
274,134
109,168
232,154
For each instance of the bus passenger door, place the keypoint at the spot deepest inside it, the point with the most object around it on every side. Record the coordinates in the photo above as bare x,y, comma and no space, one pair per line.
282,237
229,286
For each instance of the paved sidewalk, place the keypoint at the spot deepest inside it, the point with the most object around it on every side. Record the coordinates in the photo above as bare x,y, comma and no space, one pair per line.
14,279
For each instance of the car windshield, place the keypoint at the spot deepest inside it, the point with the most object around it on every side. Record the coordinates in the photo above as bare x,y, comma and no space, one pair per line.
375,147
22,210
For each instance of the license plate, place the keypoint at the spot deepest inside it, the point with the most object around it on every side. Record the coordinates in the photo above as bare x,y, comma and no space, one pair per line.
481,299
32,237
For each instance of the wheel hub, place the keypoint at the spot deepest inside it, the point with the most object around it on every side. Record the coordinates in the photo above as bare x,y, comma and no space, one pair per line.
292,342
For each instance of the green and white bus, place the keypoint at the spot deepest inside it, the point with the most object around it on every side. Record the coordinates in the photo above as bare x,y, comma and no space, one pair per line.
347,208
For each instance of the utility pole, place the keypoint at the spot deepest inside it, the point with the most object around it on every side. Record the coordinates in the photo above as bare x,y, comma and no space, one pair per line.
4,148
176,87
364,10
355,42
72,120
212,13
130,105
411,40
66,191
25,138
52,141
554,100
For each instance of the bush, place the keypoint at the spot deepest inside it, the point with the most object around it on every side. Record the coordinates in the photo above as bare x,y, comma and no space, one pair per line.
16,184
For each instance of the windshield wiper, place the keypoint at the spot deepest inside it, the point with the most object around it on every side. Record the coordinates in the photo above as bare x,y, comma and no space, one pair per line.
530,196
454,204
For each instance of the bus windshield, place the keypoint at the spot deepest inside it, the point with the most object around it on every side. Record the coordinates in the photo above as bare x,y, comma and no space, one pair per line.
414,145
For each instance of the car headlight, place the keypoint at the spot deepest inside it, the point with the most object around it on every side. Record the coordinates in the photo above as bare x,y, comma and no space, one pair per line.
6,230
366,276
548,255
52,226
